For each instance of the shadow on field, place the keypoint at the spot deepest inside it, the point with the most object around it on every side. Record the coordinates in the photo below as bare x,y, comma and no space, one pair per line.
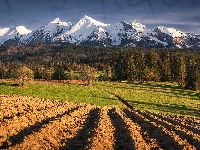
108,98
164,140
177,122
176,90
168,108
173,90
190,139
9,84
80,141
122,136
18,138
5,84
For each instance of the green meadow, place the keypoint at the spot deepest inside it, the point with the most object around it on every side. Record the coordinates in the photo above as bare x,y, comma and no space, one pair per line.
157,97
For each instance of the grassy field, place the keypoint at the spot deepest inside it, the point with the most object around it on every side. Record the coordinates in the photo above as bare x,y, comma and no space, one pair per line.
59,91
157,97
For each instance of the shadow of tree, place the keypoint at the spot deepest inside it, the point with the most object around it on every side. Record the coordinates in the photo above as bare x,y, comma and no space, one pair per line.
175,90
108,98
172,90
8,84
5,84
168,108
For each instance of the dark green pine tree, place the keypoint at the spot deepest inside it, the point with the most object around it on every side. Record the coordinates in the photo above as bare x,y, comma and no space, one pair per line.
2,71
196,79
165,68
108,72
138,57
152,61
131,70
59,72
179,69
193,76
121,67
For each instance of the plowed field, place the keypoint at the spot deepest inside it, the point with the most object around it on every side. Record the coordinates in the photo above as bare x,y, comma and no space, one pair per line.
33,123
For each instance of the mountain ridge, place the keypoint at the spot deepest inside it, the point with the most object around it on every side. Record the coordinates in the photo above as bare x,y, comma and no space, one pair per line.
88,31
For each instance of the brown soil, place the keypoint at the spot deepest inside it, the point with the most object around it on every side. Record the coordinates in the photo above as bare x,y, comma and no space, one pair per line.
33,123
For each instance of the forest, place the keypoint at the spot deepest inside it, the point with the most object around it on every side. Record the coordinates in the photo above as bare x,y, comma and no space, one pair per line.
66,62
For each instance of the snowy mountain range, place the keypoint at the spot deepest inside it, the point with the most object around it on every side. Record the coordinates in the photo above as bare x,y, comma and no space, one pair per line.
88,31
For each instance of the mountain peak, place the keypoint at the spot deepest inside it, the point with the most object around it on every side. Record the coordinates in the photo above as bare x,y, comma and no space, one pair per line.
59,22
87,17
138,25
56,20
85,23
93,21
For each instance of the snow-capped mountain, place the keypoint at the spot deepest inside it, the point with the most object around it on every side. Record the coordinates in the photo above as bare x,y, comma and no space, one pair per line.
88,31
135,34
47,32
177,38
12,35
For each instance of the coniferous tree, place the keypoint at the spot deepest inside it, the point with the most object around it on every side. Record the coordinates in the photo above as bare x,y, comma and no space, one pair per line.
165,68
108,71
193,76
2,73
59,73
196,79
121,67
152,60
131,70
179,69
138,57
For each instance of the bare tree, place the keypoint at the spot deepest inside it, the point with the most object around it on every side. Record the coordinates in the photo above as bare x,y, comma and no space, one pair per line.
23,74
88,74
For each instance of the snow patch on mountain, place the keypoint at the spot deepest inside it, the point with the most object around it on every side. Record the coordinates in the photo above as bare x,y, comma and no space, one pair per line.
138,26
172,32
4,31
13,33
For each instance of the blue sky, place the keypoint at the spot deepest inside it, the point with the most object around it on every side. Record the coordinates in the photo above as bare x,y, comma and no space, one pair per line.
180,14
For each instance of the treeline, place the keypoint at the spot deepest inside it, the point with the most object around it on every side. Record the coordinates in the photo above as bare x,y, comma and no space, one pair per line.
140,66
52,62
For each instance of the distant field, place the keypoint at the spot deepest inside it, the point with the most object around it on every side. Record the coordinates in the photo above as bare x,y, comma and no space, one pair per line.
157,97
